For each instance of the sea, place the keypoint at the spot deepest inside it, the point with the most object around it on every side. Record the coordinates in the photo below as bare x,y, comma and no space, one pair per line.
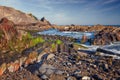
113,47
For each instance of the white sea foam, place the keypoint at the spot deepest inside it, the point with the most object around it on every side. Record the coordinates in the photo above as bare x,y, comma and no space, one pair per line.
73,34
113,48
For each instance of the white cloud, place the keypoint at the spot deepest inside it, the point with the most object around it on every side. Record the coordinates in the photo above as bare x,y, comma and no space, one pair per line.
109,1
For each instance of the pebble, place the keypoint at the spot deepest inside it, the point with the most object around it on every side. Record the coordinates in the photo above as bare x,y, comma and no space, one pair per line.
71,78
85,78
96,77
79,63
59,72
44,77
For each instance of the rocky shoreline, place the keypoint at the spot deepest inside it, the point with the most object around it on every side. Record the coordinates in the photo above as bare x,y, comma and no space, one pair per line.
44,57
64,66
75,65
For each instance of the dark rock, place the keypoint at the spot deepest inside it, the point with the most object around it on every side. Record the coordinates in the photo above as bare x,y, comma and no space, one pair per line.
77,74
96,77
45,21
118,78
118,72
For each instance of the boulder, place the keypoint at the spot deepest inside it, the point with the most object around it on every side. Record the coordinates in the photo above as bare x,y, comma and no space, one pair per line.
50,56
44,77
47,69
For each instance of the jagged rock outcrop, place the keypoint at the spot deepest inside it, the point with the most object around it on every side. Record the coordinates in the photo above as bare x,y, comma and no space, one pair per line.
107,36
45,21
16,16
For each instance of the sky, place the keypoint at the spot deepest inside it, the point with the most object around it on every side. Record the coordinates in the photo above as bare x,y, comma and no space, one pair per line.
66,12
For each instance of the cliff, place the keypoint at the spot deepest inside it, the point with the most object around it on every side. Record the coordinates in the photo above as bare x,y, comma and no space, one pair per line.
16,16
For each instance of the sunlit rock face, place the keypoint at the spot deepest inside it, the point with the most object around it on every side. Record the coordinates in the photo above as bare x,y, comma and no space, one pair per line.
80,28
23,20
16,16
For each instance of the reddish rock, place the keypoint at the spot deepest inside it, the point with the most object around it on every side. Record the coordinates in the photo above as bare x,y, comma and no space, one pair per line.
8,28
2,68
16,65
84,39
